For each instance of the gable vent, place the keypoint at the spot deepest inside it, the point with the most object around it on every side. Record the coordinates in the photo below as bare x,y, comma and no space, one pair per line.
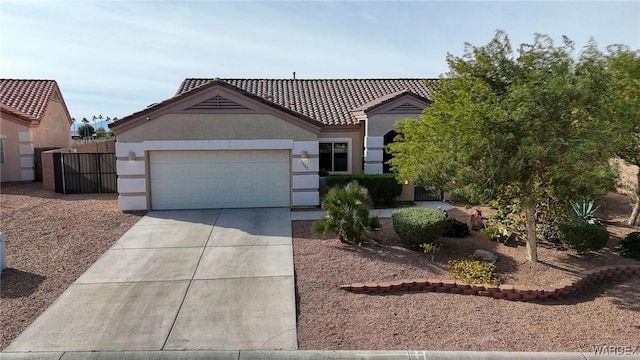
218,103
406,108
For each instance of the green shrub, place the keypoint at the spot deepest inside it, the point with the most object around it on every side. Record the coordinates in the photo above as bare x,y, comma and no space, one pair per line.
383,188
629,247
432,249
347,214
582,236
499,234
455,228
473,270
417,226
506,225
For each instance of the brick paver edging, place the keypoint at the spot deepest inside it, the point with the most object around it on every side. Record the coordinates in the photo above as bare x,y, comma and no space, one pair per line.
508,292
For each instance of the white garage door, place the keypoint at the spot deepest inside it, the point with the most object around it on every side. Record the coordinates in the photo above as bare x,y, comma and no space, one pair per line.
219,179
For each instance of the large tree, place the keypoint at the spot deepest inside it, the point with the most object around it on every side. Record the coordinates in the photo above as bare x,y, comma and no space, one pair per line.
624,66
86,131
515,127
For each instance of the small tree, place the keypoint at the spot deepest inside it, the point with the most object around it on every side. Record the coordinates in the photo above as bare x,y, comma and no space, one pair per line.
101,133
515,128
624,105
347,214
86,131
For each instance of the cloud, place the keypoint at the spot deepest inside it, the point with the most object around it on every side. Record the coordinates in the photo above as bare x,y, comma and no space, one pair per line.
117,57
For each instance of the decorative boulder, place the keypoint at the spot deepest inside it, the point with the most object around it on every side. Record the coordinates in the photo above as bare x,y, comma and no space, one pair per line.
476,220
485,255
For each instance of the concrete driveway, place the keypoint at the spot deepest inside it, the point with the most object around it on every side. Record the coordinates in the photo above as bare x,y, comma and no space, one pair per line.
181,280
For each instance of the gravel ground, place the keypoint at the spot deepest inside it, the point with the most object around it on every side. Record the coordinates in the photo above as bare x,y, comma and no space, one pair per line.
51,240
330,318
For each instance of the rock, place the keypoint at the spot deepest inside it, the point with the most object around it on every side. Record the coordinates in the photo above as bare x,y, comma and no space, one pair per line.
485,255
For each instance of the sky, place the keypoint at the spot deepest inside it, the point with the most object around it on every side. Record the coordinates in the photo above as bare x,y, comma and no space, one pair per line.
115,58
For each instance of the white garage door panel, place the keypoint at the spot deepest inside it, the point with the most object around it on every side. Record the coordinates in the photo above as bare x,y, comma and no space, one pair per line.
219,179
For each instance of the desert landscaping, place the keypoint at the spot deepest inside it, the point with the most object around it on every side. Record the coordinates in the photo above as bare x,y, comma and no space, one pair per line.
52,239
332,318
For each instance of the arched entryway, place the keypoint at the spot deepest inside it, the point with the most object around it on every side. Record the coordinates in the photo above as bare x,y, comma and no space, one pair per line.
388,139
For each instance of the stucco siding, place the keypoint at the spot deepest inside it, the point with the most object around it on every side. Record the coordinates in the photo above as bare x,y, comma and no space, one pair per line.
11,169
54,129
215,127
381,124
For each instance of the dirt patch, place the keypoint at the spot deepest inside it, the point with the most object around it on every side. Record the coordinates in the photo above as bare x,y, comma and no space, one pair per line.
51,240
330,318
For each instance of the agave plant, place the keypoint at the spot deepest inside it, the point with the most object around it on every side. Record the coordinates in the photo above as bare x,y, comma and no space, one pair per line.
347,214
586,212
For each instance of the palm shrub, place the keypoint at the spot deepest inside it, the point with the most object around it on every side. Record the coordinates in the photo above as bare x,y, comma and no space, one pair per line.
629,247
347,214
417,226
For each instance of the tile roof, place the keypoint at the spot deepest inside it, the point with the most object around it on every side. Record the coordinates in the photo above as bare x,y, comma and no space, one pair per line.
330,101
27,99
386,99
214,82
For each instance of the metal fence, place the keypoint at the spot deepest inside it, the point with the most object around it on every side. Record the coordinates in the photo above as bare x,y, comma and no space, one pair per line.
84,173
422,194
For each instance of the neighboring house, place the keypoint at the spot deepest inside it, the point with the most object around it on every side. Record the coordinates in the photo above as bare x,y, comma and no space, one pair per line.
232,143
32,115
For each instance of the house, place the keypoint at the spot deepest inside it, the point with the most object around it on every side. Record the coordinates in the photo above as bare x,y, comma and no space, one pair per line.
232,143
32,115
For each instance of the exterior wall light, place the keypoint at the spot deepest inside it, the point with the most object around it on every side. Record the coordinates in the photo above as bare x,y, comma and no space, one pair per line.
304,155
132,155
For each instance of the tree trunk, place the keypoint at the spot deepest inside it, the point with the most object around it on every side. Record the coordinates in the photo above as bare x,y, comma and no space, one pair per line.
634,219
635,214
532,251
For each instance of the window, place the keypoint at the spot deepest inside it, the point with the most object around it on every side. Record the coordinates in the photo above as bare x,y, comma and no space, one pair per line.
1,150
334,156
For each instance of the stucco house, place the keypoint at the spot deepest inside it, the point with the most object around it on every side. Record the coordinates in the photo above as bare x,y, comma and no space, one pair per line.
33,115
232,143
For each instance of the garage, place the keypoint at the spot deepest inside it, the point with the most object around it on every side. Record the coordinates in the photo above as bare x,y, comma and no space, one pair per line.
219,179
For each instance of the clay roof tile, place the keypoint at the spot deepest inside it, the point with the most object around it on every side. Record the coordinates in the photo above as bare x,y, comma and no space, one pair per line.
26,98
330,101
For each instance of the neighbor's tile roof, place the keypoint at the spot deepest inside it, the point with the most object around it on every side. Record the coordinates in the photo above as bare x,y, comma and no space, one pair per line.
330,101
26,98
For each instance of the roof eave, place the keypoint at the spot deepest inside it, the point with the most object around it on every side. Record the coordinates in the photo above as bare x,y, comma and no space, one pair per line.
364,109
18,117
121,125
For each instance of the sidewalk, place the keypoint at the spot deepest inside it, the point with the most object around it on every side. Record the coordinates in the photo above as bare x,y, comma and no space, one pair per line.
311,355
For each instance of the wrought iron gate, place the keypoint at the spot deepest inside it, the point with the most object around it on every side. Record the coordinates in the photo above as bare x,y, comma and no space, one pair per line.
84,173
